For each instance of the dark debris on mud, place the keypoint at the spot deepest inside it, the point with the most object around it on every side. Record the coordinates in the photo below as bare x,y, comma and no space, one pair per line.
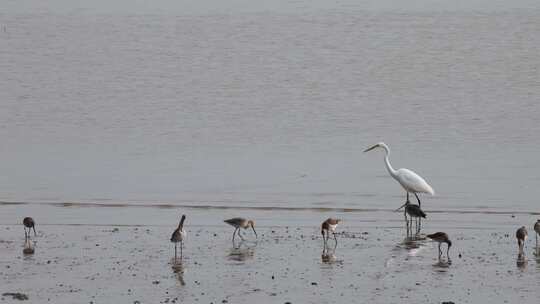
16,295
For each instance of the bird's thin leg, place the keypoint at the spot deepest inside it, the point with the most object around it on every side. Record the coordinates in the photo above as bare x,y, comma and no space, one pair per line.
34,227
233,234
406,221
447,253
239,234
335,238
175,252
440,251
324,241
419,204
181,250
25,234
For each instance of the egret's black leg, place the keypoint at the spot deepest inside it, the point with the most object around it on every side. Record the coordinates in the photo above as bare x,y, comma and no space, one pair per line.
335,238
418,199
175,252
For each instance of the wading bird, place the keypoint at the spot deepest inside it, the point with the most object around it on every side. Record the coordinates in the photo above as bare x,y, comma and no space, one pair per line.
29,223
521,235
537,230
413,211
409,180
329,225
178,236
239,222
441,237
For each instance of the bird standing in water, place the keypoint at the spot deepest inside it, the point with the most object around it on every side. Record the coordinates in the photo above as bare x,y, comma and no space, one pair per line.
240,222
441,237
521,235
328,226
178,236
537,230
409,180
29,223
413,211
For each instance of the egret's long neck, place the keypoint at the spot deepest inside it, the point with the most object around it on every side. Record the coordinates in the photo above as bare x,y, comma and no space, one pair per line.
387,162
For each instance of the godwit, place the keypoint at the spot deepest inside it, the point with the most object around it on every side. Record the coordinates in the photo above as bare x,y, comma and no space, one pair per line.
521,235
537,230
409,180
413,211
178,236
441,237
239,222
329,225
29,223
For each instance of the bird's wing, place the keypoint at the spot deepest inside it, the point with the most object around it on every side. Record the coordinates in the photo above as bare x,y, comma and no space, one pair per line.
413,182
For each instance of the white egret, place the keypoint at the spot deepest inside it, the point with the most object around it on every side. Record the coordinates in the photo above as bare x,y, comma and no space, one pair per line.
409,180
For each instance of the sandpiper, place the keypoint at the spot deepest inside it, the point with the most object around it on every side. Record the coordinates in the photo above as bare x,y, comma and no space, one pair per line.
329,225
29,223
240,222
178,236
441,237
521,235
537,230
413,211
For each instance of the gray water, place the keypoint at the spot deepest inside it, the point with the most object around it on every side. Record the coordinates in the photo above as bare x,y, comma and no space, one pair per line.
250,103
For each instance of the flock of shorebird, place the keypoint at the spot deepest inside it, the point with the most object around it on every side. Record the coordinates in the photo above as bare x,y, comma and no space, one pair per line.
408,179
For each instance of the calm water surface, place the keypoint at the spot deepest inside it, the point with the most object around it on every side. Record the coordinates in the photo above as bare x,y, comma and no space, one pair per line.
253,104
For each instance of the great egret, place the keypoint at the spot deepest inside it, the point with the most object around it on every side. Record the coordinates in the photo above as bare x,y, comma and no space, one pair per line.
409,180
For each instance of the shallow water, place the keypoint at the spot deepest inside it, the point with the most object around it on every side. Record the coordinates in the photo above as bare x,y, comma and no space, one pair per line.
105,254
270,105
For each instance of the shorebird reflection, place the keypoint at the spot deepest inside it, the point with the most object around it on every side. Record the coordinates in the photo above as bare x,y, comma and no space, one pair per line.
328,256
28,247
241,253
178,268
521,262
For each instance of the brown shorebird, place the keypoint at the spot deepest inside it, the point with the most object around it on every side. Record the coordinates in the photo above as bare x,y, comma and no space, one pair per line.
29,223
240,222
521,235
413,211
537,230
329,225
178,236
441,237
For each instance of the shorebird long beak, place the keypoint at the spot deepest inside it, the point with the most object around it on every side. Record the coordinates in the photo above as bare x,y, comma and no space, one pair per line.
254,231
369,149
401,207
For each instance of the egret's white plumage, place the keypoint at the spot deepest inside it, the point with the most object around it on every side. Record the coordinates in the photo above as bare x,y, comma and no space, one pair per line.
408,179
